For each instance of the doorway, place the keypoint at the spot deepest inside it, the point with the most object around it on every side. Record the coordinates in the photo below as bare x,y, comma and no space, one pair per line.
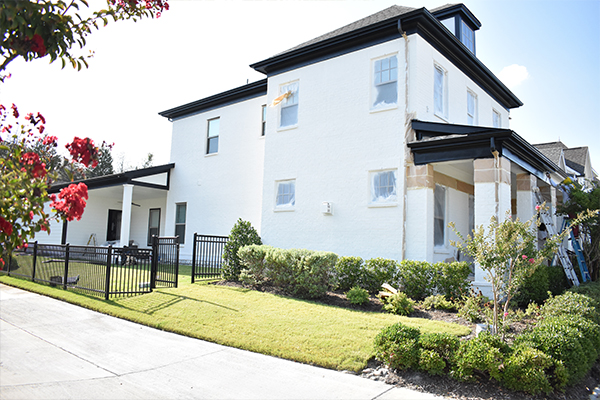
113,231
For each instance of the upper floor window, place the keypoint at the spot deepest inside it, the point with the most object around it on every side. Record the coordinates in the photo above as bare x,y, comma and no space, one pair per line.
386,81
212,141
285,198
263,124
383,187
467,36
439,91
180,217
471,108
289,104
439,215
496,119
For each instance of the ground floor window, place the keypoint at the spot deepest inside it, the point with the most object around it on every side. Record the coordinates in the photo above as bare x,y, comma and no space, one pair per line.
439,216
180,217
286,194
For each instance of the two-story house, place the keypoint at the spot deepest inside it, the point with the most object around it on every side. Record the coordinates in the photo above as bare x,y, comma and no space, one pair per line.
365,141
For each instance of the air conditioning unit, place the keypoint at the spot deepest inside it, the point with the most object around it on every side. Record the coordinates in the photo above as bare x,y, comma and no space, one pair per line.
327,208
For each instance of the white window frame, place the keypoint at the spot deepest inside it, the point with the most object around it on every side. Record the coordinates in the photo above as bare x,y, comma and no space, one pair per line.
440,92
440,191
212,134
496,119
385,77
471,113
151,226
288,188
263,122
386,195
289,103
180,223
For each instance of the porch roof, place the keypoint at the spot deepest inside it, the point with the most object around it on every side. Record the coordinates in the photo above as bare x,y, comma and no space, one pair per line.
439,142
128,177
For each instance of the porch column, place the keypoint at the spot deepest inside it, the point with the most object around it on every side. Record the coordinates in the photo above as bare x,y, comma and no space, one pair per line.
419,212
126,214
492,198
526,184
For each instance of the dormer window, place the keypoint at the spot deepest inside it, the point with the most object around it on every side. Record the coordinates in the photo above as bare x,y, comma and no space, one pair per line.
467,36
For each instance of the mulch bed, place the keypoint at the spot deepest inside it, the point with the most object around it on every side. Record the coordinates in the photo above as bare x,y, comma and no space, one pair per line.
444,385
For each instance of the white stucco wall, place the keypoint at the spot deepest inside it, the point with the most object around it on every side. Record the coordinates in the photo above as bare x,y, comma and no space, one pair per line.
422,58
222,187
337,142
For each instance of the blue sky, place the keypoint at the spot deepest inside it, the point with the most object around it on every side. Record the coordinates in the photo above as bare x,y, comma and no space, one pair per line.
200,48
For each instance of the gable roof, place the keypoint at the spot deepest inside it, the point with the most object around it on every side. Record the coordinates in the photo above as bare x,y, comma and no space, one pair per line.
576,158
552,150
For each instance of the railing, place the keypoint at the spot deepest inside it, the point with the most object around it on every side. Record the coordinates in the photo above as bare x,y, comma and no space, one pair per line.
207,256
97,271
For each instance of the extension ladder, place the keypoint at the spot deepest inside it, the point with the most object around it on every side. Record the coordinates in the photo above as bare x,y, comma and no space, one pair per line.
585,273
561,253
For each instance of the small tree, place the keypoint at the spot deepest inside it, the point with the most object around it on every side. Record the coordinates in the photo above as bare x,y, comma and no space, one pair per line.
582,199
242,234
507,252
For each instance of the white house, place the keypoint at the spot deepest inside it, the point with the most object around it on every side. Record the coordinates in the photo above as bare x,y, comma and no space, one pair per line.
365,141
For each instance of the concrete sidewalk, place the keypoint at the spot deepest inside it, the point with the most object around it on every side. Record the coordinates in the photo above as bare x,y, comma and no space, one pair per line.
54,350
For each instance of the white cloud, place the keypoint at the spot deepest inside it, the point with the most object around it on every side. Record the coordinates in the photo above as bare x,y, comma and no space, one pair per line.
513,75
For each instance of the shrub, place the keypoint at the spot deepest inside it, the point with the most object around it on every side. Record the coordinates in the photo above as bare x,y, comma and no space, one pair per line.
377,272
437,352
357,295
398,304
300,272
530,370
242,234
589,289
452,279
438,302
397,346
349,272
569,338
571,303
557,280
472,307
252,259
534,288
482,355
416,279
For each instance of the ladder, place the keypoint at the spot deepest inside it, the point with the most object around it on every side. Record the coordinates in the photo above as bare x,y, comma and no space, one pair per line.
561,253
585,273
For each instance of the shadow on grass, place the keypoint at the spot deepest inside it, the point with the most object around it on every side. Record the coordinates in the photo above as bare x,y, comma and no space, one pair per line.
175,299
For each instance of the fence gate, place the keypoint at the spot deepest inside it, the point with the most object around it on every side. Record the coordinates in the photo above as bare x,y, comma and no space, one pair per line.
165,261
207,256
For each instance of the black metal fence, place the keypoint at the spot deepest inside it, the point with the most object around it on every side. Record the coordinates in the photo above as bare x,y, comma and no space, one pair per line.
99,271
207,257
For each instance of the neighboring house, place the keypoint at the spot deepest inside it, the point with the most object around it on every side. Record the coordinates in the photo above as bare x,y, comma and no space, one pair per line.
365,141
574,161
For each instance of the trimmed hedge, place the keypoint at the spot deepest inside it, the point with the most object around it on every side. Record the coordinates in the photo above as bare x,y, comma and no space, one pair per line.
397,346
300,272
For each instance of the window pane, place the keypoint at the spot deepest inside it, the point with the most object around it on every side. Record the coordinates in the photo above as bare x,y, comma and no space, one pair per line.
383,188
286,194
180,212
387,94
180,231
213,145
154,217
438,93
213,127
439,215
289,115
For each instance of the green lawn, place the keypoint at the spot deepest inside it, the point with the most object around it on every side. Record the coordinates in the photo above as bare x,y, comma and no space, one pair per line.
294,329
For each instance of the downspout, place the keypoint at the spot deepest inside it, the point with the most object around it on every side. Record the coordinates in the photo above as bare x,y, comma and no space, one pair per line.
496,177
408,133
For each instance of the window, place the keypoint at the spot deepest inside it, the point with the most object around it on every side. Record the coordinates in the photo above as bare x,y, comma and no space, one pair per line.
153,224
383,187
180,211
439,216
289,105
467,36
263,121
496,119
212,143
439,91
386,81
286,194
471,108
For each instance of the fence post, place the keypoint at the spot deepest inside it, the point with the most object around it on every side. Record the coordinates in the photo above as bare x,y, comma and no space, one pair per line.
66,266
154,263
35,249
193,256
108,266
177,262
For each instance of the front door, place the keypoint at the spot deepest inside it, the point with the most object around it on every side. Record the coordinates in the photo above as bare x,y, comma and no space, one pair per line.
113,231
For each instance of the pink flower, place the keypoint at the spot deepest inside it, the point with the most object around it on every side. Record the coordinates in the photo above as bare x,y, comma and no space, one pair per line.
84,151
505,314
524,257
537,208
531,260
6,227
72,201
